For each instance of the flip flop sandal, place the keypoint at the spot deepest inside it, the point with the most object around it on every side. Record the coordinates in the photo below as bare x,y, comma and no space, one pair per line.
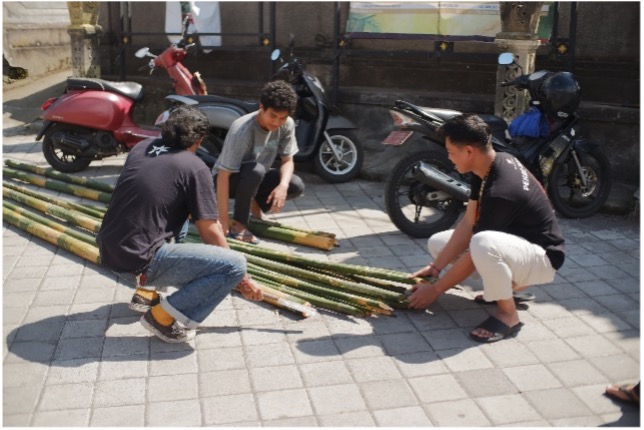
518,298
246,237
499,329
630,396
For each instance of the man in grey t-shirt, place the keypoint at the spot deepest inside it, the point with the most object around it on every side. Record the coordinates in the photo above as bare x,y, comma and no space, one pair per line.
244,169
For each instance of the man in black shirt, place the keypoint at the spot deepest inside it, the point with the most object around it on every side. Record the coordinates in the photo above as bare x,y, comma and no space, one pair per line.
509,233
162,183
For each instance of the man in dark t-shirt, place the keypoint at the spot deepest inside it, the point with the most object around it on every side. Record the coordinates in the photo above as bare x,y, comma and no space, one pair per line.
162,183
509,233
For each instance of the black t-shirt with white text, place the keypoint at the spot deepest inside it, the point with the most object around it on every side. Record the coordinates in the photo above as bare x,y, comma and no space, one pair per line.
158,188
514,202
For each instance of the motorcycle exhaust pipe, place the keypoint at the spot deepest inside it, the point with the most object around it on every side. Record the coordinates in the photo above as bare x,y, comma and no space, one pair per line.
429,175
73,145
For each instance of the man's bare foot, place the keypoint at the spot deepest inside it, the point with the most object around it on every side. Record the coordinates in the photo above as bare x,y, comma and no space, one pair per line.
623,393
255,210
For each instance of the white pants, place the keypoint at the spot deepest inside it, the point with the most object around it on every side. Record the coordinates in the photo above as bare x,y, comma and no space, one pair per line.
503,261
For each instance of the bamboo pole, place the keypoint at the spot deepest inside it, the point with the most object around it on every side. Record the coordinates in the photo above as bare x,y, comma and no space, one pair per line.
51,173
71,215
50,223
52,184
62,240
87,210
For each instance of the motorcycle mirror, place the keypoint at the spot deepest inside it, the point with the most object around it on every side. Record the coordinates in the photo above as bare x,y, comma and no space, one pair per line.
276,54
142,52
506,58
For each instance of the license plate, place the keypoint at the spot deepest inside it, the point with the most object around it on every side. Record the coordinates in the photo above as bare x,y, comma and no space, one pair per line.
397,138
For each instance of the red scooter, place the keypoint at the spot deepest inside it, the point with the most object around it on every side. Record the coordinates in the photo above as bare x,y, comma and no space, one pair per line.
93,118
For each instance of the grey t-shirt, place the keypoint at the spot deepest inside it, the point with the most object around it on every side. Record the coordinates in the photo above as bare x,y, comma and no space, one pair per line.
246,141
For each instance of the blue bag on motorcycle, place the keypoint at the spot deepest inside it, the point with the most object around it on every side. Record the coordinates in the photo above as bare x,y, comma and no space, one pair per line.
531,123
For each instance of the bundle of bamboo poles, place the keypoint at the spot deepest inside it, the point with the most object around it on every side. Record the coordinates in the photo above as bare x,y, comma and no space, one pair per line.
102,192
289,281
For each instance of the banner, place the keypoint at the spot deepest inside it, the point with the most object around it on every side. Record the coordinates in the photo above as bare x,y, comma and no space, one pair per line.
203,18
479,21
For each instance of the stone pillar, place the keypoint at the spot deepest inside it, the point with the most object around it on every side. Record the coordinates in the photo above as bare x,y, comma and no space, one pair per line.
519,23
84,32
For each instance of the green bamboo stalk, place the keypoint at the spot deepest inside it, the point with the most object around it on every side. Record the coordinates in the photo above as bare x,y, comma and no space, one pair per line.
286,301
330,293
353,287
254,221
50,223
302,261
86,209
55,237
292,236
51,173
52,184
75,217
321,302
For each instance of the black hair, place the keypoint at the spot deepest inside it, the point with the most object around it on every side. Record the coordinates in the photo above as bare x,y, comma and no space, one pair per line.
184,127
278,95
467,129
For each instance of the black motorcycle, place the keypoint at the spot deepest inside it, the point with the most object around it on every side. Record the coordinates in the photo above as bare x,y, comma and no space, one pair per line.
424,194
323,135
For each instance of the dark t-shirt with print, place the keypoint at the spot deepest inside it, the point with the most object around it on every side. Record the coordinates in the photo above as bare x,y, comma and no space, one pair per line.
514,202
156,191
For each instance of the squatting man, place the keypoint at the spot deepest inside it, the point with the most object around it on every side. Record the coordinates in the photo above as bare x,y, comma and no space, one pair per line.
509,233
163,183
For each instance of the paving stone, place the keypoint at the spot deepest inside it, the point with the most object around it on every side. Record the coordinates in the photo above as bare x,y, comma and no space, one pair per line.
349,327
211,360
40,331
557,404
16,420
403,343
437,388
485,383
431,320
550,351
94,295
388,394
617,367
283,404
413,416
24,373
66,396
172,387
84,370
314,351
360,347
225,337
420,364
81,329
459,360
592,346
507,409
593,397
271,355
38,352
618,303
298,422
373,369
577,372
275,378
336,399
137,367
18,299
455,338
457,413
172,363
224,410
532,378
66,418
21,285
20,399
119,416
176,413
119,392
568,327
348,419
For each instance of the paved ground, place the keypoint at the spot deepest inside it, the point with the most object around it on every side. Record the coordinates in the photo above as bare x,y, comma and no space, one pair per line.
74,355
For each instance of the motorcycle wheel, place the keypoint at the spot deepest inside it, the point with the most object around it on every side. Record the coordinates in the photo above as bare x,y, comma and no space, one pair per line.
57,158
415,208
351,157
569,196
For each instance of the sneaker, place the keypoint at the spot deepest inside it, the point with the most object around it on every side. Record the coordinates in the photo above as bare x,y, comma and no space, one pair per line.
173,333
141,304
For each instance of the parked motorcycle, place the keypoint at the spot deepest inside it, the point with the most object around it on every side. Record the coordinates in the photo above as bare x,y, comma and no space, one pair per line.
424,194
323,135
93,118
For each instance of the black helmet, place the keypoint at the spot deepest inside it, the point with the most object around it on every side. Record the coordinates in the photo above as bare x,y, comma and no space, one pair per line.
560,95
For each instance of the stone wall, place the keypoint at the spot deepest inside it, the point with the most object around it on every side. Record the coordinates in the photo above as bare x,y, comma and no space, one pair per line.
35,36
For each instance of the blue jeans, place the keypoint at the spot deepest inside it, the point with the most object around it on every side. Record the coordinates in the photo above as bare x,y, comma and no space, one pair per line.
204,275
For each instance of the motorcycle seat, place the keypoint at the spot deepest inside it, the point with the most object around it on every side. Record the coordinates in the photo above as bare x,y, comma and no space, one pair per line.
495,123
131,90
245,106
